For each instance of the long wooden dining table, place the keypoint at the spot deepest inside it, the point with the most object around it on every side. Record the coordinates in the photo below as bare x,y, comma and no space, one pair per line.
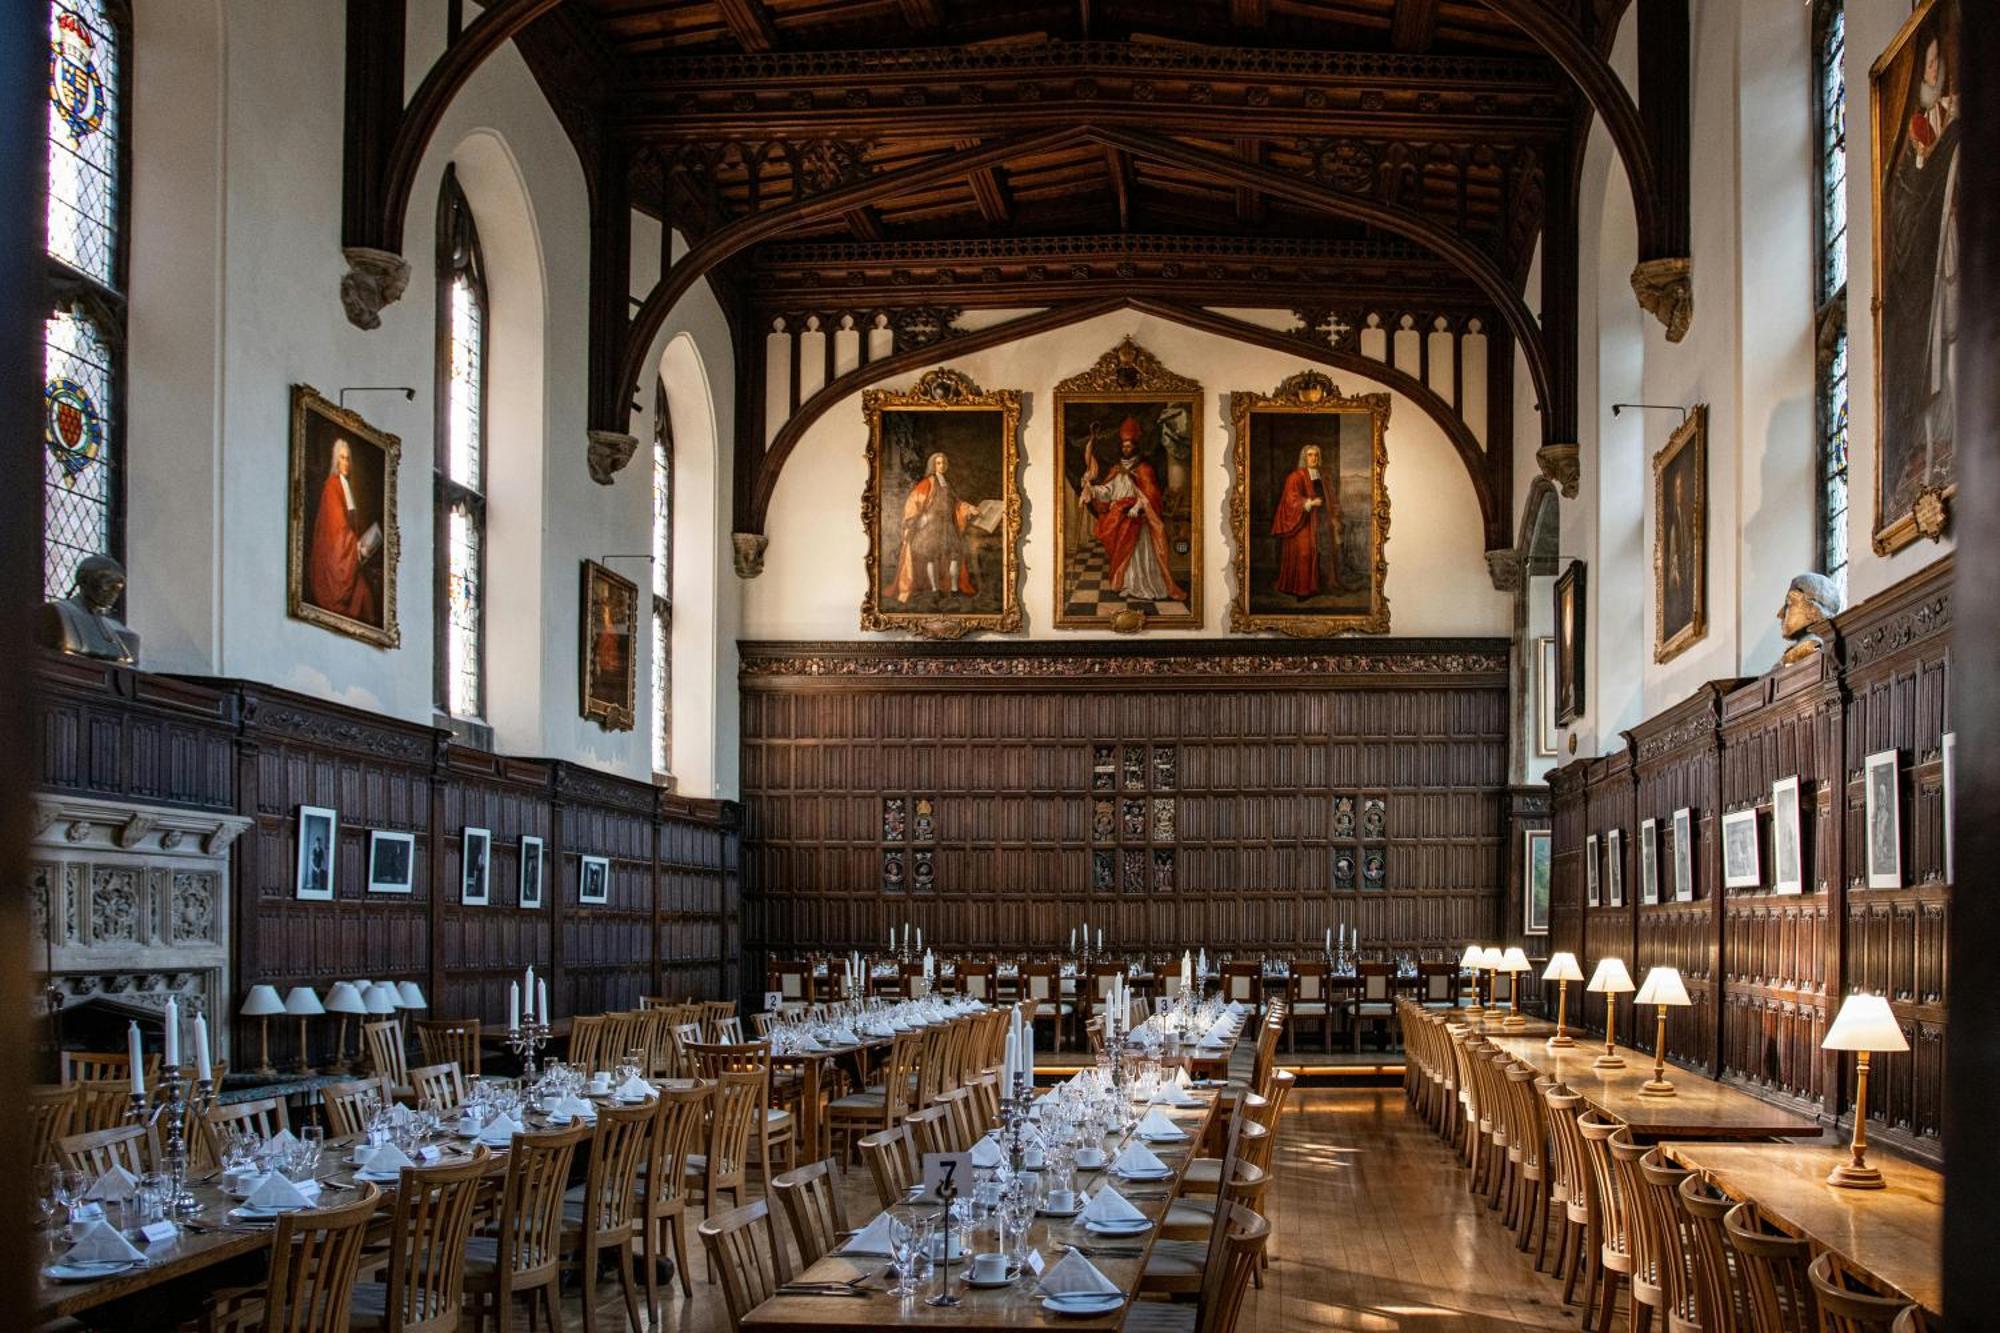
1700,1107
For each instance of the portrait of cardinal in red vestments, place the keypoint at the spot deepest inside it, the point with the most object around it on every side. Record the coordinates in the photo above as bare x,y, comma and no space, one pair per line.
1127,508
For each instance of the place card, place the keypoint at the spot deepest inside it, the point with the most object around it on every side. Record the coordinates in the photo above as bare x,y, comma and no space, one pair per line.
157,1233
1036,1263
430,1152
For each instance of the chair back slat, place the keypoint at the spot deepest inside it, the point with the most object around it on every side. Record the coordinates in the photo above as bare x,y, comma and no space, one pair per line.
435,1206
264,1117
53,1111
611,1183
106,1067
349,1104
1774,1272
450,1041
101,1103
893,1163
386,1055
96,1151
586,1042
811,1199
531,1203
1847,1304
1224,1283
443,1085
744,1253
1721,1294
1670,1234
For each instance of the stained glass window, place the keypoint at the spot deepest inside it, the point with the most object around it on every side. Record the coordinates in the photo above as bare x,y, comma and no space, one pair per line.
84,132
1830,298
663,582
77,460
461,459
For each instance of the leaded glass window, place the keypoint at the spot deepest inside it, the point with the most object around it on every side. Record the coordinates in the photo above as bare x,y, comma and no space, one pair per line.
1830,296
77,461
84,133
663,582
461,459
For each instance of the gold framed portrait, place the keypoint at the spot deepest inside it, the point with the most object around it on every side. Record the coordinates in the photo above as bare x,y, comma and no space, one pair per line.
942,509
1680,538
1309,510
608,654
344,542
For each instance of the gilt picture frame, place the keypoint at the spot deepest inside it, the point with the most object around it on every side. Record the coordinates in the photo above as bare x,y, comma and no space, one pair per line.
1680,538
607,662
1570,612
942,508
344,543
1535,870
1547,732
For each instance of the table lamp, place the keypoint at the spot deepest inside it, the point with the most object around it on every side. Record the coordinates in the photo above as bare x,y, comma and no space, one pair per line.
302,1003
1562,970
409,995
346,1001
1610,980
381,999
1865,1023
1663,987
1514,962
1491,958
260,1004
1469,961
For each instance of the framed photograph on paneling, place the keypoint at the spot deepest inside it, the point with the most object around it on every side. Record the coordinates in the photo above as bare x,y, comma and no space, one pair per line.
1739,851
1591,892
344,543
532,869
475,867
319,830
1545,697
1881,802
392,861
1309,511
1950,785
1569,643
1614,868
1128,495
1649,862
607,658
1680,538
1913,98
1684,855
1535,881
1788,868
593,879
942,508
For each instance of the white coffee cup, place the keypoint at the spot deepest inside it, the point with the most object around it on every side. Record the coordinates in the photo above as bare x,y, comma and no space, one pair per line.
600,1082
1062,1201
989,1268
1090,1158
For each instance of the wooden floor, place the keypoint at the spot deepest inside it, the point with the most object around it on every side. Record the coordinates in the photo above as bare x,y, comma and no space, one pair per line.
1373,1231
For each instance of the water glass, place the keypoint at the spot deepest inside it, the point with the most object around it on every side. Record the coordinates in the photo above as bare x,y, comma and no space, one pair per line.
908,1240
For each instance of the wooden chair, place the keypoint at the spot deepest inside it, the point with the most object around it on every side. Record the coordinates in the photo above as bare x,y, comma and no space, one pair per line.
738,1096
265,1117
1310,999
1041,986
1577,1255
652,1034
1241,1243
1720,1294
386,1055
686,1036
1375,1001
586,1042
1243,983
791,979
962,1115
101,1103
750,1273
663,1211
713,1014
1648,1244
450,1041
601,1216
977,981
776,1128
348,1104
106,1067
521,1254
1849,1305
880,1107
442,1085
51,1111
315,1258
1614,1236
1774,1272
933,1130
621,1043
1437,985
96,1151
427,1236
894,1163
811,1199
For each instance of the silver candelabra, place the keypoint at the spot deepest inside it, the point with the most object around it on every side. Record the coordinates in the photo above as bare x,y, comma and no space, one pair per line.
170,1099
526,1041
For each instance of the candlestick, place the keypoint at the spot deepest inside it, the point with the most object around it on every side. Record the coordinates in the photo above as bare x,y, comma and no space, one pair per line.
513,1005
542,1003
173,1031
203,1071
136,1055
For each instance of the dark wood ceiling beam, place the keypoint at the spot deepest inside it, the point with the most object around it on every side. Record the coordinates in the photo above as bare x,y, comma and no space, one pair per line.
1249,13
989,191
1249,203
1119,168
1414,26
921,15
864,224
749,24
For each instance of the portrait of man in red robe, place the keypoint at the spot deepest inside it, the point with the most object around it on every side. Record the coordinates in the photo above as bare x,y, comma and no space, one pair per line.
935,556
1127,507
343,541
1307,526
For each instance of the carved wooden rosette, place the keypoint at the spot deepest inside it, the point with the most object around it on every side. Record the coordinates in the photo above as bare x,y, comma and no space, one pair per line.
1308,392
944,390
1128,373
1690,434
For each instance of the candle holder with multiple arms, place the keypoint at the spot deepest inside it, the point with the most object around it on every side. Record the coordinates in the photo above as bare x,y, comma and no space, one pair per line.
526,1042
1865,1023
1562,970
1610,980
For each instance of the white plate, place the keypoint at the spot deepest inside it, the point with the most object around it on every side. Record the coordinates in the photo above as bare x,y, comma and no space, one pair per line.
379,1178
1084,1303
1162,1174
1136,1226
1176,1137
245,1213
91,1272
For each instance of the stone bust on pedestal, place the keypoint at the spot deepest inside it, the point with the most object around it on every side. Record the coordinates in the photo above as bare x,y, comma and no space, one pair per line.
1810,602
82,624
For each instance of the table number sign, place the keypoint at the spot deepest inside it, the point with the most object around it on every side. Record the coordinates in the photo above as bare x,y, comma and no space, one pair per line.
773,1001
942,1169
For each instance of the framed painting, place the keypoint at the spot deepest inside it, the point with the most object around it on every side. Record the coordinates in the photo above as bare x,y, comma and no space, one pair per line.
1649,862
319,834
1545,697
1128,495
1535,882
1569,643
1680,538
1740,868
1309,511
1684,855
344,542
1881,798
392,861
593,880
1592,894
1614,868
607,656
475,867
942,509
1914,109
1788,868
533,866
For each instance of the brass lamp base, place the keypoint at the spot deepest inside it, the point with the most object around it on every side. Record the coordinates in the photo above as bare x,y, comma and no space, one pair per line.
1608,1062
1560,1041
1515,1020
1855,1176
1656,1087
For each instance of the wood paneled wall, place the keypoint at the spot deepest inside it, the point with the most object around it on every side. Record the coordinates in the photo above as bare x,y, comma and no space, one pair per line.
1266,739
670,925
1766,971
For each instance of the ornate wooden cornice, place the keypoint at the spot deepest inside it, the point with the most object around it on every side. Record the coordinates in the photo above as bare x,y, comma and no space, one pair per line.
1905,616
1197,659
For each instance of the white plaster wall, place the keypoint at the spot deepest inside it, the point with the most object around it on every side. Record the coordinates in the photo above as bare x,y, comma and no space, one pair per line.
811,587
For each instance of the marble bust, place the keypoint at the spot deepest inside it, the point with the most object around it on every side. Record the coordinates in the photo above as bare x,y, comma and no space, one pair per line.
82,623
1810,601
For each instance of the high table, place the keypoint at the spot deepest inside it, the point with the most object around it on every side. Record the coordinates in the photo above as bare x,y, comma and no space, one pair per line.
1892,1236
1701,1107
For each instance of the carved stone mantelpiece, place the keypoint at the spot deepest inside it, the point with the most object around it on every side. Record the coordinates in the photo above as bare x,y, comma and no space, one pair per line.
1665,288
1560,464
374,279
610,451
749,553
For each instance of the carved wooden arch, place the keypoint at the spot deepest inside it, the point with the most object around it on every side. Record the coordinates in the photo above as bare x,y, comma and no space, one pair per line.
754,501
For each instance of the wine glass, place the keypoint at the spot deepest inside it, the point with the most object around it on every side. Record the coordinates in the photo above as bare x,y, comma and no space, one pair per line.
68,1188
908,1240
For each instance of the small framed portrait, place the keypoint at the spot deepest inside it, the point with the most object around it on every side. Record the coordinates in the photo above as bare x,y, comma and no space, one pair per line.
1684,855
1649,862
1535,881
607,665
392,861
1310,510
1680,538
1569,643
532,868
476,867
593,880
1614,868
1740,869
1546,729
1788,869
1950,787
1881,796
344,543
1592,894
319,832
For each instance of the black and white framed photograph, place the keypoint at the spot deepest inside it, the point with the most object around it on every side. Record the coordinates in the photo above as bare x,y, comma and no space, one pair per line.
475,879
1950,785
531,871
1614,868
1535,882
1684,855
1649,862
593,881
1788,868
1739,851
392,861
319,829
1884,821
1591,893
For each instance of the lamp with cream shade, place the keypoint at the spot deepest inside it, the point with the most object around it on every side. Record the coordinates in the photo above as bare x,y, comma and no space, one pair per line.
346,1001
261,1003
1562,970
1663,987
409,995
302,1002
1865,1023
1514,962
381,999
1471,961
1490,958
1610,980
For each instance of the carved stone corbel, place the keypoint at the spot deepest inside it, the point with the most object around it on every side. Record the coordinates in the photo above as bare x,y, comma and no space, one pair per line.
749,552
1504,567
374,279
1560,464
609,453
1665,288
130,833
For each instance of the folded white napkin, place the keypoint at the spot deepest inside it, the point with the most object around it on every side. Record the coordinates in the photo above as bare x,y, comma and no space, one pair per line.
1181,1079
1138,1159
634,1089
1175,1095
1157,1125
1108,1205
117,1183
100,1243
500,1131
284,1138
567,1108
388,1160
808,1042
399,1115
1235,1007
276,1193
845,1037
1075,1275
873,1240
987,1153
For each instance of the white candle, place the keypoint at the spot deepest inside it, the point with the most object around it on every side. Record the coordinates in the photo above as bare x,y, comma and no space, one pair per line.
920,937
528,992
203,1071
1072,939
136,1053
513,1006
542,1003
1008,1061
1100,939
173,1021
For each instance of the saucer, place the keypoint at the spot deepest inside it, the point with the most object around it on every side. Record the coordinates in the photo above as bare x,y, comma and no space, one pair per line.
1046,1211
1161,1174
91,1272
1013,1276
1132,1228
1085,1303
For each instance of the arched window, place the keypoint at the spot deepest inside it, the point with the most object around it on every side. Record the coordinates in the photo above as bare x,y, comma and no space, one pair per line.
460,619
1830,288
83,339
663,583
